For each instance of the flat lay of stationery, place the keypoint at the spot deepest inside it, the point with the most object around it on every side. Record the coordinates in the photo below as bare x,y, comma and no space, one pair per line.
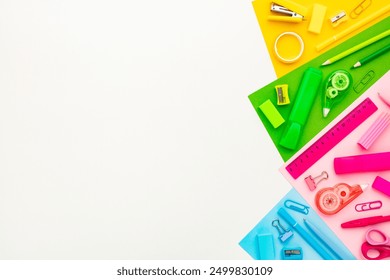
328,116
317,26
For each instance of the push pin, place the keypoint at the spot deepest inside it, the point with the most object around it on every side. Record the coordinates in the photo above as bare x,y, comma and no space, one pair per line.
284,233
313,182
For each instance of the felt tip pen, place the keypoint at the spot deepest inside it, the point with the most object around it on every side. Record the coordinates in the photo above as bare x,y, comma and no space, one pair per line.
303,103
305,235
366,221
362,163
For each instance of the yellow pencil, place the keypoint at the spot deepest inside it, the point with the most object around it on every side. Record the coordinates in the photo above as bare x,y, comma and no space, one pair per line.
353,28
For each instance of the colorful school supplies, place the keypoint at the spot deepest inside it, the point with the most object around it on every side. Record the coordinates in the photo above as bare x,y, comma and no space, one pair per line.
306,236
337,86
313,132
371,57
333,199
362,78
357,47
373,244
331,138
338,13
362,163
302,106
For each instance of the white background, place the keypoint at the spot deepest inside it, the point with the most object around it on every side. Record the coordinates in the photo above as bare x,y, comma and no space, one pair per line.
126,131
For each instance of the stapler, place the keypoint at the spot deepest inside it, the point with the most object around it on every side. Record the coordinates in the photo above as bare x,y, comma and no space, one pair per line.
289,11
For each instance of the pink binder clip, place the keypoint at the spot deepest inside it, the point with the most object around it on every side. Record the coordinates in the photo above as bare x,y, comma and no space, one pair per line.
312,182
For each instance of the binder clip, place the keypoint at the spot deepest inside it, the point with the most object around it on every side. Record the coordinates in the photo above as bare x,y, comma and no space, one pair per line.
284,233
312,182
288,11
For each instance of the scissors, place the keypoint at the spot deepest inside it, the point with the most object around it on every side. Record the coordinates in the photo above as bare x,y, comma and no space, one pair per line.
378,247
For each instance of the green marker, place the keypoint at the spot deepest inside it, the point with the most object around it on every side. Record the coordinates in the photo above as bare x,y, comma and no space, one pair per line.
304,100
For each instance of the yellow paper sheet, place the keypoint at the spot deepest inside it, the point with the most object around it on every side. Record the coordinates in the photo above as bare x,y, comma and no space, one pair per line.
357,12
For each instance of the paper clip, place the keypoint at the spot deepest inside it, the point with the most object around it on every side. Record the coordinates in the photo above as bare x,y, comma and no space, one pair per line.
313,182
293,205
360,8
359,87
372,205
284,233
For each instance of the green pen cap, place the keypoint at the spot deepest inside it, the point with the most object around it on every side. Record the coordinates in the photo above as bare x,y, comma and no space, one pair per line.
304,100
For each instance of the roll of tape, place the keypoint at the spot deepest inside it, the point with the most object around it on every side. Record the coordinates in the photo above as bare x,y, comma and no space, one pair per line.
285,59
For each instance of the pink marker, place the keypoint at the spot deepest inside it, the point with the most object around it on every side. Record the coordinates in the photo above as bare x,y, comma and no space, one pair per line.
362,163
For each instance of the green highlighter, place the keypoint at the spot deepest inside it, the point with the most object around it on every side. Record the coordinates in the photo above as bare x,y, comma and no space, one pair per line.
307,92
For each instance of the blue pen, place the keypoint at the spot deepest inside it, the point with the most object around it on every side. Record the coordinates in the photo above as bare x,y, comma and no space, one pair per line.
305,235
339,253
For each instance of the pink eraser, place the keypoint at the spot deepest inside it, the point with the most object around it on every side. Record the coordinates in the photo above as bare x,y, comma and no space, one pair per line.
362,163
381,185
374,131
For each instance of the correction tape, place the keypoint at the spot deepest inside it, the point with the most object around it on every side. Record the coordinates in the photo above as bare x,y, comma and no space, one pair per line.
332,199
336,87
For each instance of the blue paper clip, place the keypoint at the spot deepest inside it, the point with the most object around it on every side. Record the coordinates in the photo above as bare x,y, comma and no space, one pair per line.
293,205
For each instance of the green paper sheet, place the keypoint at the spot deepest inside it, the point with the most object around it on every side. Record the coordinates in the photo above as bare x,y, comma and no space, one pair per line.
363,77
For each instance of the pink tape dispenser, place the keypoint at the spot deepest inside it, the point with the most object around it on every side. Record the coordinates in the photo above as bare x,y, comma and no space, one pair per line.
331,200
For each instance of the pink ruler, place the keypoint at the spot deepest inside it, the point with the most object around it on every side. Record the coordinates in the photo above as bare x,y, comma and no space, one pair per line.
331,138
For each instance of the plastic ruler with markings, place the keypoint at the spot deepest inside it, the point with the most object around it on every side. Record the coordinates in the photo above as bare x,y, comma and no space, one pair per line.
331,138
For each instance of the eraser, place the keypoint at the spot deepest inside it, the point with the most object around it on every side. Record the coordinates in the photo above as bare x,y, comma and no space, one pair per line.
374,131
317,18
266,246
381,185
271,113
